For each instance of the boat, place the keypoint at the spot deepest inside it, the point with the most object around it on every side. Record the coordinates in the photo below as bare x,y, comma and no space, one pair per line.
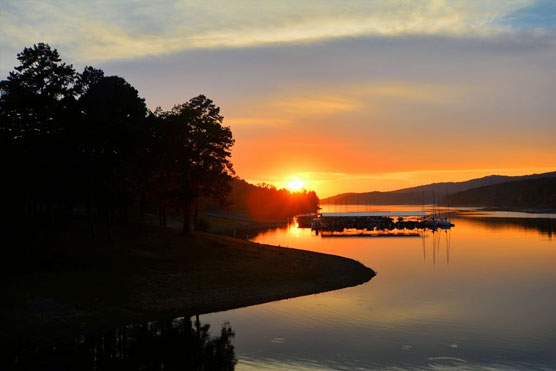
444,224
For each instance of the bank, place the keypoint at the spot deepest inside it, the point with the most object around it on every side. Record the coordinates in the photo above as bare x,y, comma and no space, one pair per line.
144,272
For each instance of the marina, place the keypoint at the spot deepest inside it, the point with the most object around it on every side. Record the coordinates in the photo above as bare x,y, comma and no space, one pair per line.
447,300
403,223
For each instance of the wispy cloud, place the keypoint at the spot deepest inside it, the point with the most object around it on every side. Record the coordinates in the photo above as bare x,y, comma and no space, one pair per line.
98,30
335,91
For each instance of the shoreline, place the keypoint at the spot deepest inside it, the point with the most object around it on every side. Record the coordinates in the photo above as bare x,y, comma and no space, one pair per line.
519,210
152,273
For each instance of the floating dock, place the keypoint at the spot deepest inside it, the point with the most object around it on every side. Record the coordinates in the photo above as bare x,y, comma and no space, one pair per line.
382,221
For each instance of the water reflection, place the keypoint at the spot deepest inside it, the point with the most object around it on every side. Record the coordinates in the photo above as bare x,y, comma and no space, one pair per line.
436,243
544,226
180,344
478,296
491,220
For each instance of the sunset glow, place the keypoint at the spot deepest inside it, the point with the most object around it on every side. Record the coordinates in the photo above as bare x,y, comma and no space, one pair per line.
278,184
378,95
295,185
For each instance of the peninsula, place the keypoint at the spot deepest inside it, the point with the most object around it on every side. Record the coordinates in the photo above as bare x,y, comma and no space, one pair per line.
145,272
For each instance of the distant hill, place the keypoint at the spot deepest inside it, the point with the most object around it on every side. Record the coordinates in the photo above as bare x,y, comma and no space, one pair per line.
424,193
539,193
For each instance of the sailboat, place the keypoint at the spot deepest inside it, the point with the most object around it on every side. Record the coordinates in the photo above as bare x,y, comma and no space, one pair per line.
445,223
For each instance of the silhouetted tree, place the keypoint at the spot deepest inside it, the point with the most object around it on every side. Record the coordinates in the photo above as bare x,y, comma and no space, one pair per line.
112,140
85,140
200,149
89,77
35,111
266,202
161,181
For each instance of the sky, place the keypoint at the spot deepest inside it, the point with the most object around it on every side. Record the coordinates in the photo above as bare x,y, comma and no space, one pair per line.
344,96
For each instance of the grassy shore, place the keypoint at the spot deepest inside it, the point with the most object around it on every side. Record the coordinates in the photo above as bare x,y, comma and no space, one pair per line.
144,272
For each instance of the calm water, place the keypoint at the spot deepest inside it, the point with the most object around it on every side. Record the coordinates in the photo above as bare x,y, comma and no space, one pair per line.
482,295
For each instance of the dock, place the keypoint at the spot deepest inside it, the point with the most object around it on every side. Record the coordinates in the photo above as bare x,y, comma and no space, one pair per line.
365,222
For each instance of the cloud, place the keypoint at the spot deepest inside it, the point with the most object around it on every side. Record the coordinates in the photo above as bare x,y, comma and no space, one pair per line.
292,104
95,31
346,89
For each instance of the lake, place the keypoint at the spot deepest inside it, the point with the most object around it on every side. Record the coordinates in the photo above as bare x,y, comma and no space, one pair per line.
479,296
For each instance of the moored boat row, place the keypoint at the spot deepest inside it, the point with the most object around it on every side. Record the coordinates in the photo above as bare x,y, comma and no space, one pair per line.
338,222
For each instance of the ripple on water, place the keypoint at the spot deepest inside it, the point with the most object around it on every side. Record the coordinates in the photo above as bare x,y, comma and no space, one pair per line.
435,362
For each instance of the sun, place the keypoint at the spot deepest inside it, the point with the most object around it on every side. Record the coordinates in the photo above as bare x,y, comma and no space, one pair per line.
295,185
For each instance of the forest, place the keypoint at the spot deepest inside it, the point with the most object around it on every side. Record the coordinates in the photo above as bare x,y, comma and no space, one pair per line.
83,145
266,202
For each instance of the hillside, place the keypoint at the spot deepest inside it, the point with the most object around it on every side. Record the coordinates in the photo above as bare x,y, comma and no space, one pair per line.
522,194
424,193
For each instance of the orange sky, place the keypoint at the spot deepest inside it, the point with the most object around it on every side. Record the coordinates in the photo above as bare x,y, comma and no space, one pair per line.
386,136
330,167
346,96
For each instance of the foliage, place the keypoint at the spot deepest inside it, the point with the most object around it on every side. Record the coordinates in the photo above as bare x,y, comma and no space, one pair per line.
266,202
85,141
195,149
37,103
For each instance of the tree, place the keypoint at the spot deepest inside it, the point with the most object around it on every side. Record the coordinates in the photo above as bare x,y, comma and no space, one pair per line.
70,141
33,96
36,102
112,140
199,147
89,77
